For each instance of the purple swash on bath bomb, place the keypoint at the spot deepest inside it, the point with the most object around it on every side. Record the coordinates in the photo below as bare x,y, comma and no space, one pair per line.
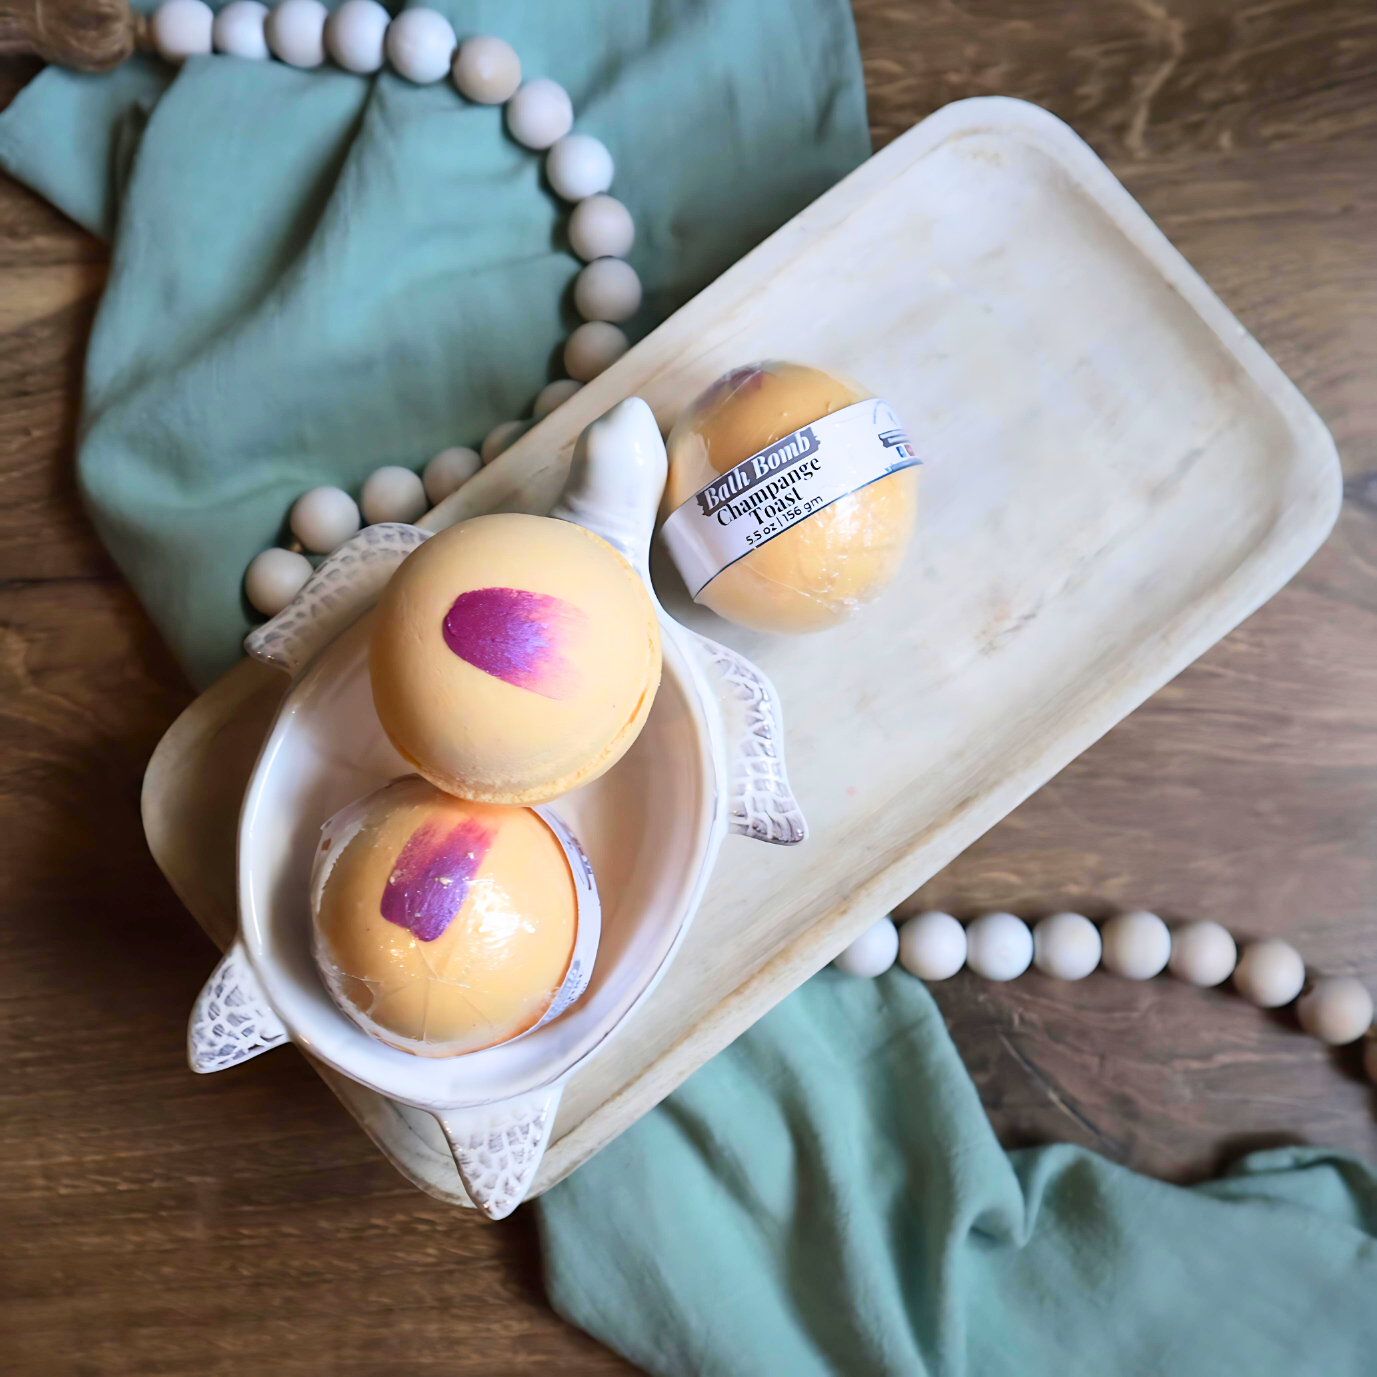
517,636
430,881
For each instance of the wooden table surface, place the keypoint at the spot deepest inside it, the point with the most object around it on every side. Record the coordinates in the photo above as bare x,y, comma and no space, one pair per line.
156,1223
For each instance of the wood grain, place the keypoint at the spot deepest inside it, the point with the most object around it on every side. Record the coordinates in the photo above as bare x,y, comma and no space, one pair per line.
156,1223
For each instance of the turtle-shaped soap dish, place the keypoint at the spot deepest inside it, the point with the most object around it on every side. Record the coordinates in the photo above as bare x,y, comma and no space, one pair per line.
709,760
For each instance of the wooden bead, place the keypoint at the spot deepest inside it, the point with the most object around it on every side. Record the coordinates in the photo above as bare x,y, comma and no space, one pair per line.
579,166
502,437
296,32
356,35
607,289
420,45
872,953
1269,973
932,946
448,471
324,518
1137,946
593,348
1336,1009
274,578
392,493
1203,954
238,30
540,113
1066,946
601,227
487,70
181,29
554,394
999,946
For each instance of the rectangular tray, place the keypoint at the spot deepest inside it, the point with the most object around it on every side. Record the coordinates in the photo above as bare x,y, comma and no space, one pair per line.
1118,474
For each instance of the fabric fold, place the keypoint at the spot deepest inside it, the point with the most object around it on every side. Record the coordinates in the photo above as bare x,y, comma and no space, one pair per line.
827,1197
315,274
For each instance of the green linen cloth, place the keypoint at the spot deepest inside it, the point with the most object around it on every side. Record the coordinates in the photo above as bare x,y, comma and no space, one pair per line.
314,274
827,1197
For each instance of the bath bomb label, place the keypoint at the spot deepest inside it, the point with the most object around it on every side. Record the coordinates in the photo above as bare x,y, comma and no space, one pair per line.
589,931
783,484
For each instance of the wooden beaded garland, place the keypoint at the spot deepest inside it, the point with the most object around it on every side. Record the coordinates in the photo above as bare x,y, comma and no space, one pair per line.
552,395
539,114
449,470
502,437
240,30
274,578
594,347
999,946
1203,954
323,519
1338,1010
932,946
392,493
296,32
1137,946
1269,974
1066,946
356,36
873,952
486,70
579,166
601,227
607,289
181,29
421,46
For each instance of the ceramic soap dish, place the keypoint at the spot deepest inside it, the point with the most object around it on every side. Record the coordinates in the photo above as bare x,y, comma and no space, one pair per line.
709,761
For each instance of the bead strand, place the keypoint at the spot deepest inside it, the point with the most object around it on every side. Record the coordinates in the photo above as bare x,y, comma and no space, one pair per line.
421,45
323,518
1269,973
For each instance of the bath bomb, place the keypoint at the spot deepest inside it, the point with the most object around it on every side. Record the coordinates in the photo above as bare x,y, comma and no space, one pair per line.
514,658
442,926
821,570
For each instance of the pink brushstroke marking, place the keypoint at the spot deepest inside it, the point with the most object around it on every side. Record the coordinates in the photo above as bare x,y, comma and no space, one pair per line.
431,879
518,637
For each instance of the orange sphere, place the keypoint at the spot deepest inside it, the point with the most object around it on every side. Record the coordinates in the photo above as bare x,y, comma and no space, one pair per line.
821,570
442,926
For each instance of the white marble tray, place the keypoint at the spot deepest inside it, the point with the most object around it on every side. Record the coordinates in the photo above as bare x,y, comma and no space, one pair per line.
1118,475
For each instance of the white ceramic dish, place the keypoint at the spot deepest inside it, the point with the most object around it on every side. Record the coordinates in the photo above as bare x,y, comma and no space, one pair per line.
1120,475
651,827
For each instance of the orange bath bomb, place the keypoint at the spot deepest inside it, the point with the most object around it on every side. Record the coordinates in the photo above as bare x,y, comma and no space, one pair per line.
441,926
514,658
827,566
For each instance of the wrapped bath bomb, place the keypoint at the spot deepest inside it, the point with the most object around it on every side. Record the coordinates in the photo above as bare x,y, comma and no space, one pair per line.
443,926
791,497
514,658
